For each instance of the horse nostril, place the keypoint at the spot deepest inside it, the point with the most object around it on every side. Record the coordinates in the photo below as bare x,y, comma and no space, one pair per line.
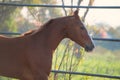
93,46
89,48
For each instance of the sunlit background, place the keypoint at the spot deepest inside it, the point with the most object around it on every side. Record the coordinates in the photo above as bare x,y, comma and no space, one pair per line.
94,16
101,23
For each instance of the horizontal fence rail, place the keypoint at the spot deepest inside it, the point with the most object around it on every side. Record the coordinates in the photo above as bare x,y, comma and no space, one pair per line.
10,33
59,6
68,6
107,39
86,74
100,39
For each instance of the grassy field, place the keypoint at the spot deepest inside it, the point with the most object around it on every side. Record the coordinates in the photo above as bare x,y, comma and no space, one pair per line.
99,64
100,61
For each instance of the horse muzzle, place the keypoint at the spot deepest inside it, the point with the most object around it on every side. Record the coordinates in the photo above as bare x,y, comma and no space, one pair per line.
89,48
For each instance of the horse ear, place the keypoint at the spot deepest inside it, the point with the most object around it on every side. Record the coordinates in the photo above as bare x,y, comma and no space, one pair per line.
76,13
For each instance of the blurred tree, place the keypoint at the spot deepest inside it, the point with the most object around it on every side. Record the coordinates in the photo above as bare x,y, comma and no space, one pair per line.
10,14
43,14
5,17
115,33
118,32
7,22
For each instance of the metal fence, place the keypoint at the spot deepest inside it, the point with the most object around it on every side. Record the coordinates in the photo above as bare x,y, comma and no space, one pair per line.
101,39
61,6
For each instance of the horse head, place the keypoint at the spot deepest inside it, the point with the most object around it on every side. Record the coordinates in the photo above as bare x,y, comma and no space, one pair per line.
76,31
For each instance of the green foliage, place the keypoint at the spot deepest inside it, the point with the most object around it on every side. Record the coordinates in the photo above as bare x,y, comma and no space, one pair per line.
100,64
11,24
110,31
67,57
101,61
6,19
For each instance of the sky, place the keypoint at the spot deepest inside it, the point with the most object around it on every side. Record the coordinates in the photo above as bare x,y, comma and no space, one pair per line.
95,16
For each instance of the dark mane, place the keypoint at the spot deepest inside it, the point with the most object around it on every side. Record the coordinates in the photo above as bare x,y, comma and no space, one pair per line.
28,32
48,23
53,20
40,29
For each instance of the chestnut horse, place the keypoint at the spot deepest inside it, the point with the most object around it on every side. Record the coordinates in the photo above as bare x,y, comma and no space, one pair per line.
29,57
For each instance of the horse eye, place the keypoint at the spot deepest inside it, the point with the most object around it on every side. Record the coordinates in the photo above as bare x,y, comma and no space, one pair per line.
82,28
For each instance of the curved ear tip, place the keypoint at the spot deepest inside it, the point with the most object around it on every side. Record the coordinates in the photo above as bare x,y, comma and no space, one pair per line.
76,12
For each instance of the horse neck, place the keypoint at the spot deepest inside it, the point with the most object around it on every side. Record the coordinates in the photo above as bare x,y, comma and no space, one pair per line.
50,35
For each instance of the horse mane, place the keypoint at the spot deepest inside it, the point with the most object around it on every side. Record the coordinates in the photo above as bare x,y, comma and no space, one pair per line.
28,32
40,29
44,26
53,20
47,23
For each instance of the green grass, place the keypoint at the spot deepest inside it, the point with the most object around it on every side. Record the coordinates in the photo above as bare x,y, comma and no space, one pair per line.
101,61
99,64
